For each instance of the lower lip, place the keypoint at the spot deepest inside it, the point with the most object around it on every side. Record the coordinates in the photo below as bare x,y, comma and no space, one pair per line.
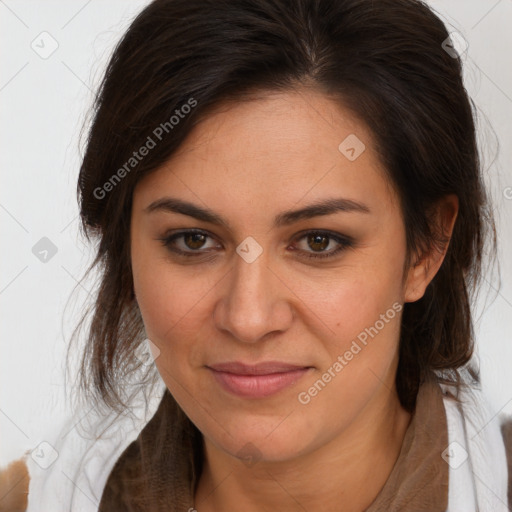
257,386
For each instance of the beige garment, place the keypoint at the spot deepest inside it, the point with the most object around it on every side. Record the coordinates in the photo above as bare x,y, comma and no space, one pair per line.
419,480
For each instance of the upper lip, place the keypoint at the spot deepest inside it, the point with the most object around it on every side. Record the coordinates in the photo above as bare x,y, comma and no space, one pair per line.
264,368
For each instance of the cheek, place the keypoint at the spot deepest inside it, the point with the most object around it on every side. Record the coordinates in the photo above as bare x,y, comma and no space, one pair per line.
175,307
360,356
354,299
172,315
161,296
168,301
363,310
366,336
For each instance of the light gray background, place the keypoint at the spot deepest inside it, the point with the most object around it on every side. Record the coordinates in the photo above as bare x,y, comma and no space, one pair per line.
42,105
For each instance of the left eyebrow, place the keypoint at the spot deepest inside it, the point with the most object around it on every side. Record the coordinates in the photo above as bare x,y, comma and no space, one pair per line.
324,207
320,208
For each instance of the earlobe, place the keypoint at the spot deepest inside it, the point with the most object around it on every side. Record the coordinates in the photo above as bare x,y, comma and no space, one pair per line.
417,281
426,266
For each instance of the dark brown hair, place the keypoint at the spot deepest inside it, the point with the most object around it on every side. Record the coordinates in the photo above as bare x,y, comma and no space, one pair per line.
382,59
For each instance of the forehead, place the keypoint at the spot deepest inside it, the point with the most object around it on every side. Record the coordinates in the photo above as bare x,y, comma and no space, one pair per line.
274,151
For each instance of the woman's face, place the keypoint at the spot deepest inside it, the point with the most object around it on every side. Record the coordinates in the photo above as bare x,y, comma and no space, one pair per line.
247,289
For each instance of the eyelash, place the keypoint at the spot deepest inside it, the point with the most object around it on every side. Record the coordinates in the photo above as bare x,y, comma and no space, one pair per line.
343,241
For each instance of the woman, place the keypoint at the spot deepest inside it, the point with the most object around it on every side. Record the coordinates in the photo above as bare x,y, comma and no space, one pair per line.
312,347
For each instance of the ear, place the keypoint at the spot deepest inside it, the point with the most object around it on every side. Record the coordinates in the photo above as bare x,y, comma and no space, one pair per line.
422,271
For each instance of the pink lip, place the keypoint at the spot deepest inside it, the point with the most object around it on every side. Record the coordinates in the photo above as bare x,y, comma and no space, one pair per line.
257,381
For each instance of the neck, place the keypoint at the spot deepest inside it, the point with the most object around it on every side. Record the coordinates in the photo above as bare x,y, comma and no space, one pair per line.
346,473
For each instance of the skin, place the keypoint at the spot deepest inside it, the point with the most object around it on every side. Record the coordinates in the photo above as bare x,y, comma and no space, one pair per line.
249,162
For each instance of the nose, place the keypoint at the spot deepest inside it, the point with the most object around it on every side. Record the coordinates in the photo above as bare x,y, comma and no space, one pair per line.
254,304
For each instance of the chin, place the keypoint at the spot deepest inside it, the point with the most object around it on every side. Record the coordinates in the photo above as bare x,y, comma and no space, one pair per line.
262,441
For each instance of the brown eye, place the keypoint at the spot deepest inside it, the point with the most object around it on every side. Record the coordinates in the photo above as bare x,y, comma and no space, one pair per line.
189,243
318,242
194,240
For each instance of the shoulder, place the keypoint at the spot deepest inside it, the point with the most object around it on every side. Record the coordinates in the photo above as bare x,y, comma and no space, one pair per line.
483,437
506,430
14,480
69,469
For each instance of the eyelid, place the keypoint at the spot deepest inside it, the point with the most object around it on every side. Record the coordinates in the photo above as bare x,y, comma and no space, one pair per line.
344,242
172,235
